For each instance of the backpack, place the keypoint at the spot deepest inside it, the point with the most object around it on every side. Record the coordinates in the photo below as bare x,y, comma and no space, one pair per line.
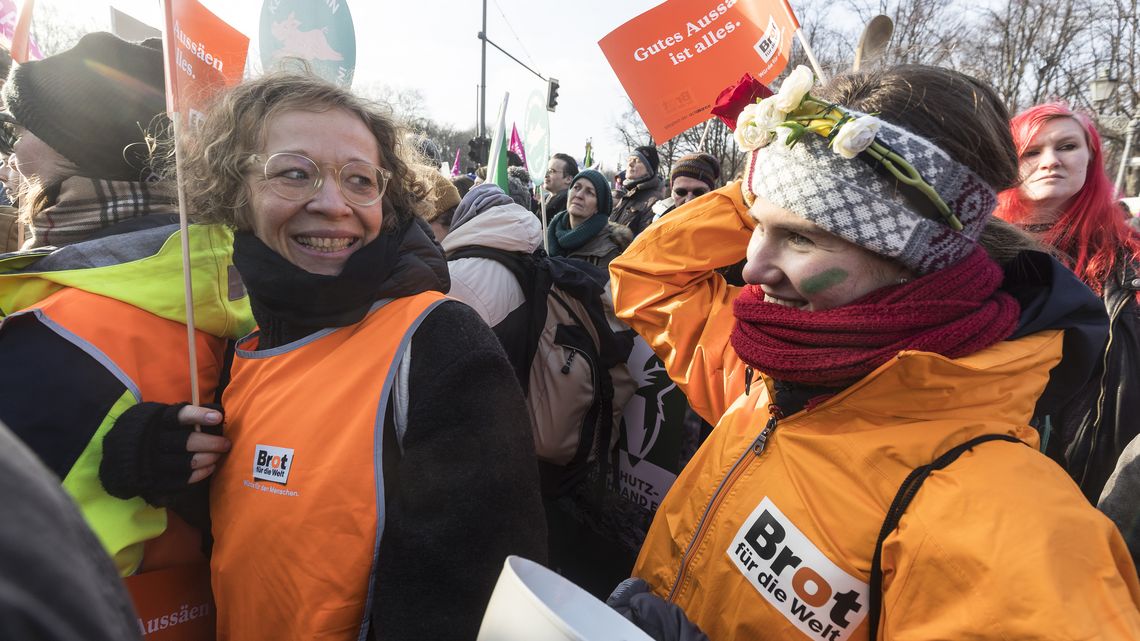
570,360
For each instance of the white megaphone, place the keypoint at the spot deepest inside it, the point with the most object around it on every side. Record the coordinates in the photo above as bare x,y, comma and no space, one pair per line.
532,603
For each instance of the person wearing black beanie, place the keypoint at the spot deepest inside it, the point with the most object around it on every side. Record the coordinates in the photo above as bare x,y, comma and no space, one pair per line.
642,188
584,230
86,120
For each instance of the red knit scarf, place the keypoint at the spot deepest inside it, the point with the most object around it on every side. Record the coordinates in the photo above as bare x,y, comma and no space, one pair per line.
953,312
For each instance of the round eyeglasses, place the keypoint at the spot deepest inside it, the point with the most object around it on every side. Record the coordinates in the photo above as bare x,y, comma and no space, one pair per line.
298,177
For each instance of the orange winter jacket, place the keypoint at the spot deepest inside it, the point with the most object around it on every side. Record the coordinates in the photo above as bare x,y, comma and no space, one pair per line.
770,530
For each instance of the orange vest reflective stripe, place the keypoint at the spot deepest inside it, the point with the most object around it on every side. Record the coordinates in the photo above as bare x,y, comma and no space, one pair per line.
297,507
149,350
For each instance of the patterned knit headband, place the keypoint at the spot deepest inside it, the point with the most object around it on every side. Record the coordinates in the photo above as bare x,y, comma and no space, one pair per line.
834,181
854,201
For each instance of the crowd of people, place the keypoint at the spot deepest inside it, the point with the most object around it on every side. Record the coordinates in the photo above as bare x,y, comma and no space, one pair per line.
907,333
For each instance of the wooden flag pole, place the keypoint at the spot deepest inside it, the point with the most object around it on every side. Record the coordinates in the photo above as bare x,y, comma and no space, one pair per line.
188,284
183,219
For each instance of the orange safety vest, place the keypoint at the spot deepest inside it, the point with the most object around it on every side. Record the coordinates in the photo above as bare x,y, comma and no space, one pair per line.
297,508
148,354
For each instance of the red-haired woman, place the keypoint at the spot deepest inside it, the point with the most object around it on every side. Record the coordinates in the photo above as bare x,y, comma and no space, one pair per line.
1066,198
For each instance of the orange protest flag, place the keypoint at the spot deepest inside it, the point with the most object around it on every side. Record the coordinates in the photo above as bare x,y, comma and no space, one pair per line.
204,54
674,59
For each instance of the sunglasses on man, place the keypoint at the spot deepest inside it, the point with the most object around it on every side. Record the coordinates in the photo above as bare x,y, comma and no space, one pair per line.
681,192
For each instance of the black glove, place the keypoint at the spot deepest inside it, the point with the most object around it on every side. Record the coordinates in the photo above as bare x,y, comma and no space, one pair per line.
145,454
655,616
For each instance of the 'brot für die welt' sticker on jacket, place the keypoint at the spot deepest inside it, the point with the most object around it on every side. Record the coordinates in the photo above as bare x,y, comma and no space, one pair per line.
272,463
786,568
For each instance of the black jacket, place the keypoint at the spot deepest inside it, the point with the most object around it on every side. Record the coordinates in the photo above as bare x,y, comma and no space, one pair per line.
554,206
465,492
1107,416
1088,412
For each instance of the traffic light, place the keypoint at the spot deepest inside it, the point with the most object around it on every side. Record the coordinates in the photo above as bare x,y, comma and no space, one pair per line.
477,150
551,94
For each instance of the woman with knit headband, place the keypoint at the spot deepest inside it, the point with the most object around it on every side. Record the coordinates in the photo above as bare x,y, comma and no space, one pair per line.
872,474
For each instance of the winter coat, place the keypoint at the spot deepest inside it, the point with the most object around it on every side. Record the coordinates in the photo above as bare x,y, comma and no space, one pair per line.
103,328
605,246
1103,417
635,208
57,583
485,285
770,530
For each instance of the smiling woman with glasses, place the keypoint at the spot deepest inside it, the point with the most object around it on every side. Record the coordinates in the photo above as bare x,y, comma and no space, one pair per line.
372,421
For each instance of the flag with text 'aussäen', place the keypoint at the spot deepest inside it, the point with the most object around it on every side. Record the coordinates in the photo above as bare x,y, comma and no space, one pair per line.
203,55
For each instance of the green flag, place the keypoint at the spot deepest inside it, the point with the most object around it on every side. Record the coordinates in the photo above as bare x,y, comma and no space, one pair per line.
497,159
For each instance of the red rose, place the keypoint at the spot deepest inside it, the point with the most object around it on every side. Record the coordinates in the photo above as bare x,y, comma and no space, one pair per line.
735,97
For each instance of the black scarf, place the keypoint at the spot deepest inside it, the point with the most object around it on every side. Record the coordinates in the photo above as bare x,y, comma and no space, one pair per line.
290,303
637,183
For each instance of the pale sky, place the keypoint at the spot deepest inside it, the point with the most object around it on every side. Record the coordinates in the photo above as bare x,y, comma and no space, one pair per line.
432,46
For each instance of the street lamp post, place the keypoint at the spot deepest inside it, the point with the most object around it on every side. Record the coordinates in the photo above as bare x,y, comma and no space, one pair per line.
1102,88
1133,126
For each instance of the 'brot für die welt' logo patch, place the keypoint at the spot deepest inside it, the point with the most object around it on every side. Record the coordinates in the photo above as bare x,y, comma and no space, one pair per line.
272,463
786,568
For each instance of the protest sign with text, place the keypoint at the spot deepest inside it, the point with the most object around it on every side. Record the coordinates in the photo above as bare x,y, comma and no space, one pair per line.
674,59
204,55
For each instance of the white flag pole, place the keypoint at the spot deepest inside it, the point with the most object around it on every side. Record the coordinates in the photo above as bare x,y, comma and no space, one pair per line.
822,77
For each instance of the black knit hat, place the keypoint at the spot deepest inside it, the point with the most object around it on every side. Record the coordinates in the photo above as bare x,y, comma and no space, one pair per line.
93,102
649,153
601,190
702,167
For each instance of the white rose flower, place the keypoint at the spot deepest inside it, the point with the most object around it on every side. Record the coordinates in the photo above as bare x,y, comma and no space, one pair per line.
855,136
755,123
794,88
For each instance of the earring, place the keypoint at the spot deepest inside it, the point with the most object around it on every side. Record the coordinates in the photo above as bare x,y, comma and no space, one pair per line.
903,280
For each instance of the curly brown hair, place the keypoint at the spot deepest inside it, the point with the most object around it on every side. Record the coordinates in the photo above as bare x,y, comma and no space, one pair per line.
216,154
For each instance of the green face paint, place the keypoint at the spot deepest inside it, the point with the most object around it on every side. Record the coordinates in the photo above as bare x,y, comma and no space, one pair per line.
823,280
